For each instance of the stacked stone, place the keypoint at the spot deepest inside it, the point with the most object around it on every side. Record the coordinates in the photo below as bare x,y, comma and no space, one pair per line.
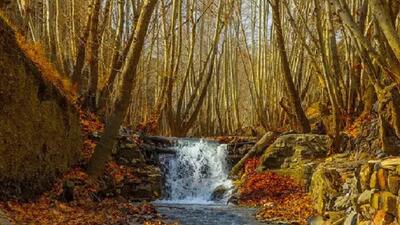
379,202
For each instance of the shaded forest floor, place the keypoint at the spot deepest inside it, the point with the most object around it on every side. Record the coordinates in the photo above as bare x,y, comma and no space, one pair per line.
280,198
81,204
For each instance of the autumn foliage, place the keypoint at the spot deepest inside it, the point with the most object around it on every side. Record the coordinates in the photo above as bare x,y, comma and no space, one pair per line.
279,196
49,72
87,207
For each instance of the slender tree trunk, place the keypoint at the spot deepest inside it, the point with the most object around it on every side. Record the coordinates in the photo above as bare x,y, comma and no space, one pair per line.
293,94
104,147
91,97
385,22
81,55
116,58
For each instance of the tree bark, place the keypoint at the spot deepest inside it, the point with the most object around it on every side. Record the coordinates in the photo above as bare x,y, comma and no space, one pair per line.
257,149
293,94
104,147
90,101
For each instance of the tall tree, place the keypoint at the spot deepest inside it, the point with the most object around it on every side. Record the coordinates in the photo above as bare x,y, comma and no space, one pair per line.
293,93
104,148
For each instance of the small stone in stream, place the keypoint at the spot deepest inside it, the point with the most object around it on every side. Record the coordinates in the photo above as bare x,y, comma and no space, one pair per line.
234,200
219,193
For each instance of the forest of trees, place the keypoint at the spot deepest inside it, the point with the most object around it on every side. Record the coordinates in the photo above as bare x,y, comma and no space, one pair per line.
124,81
215,67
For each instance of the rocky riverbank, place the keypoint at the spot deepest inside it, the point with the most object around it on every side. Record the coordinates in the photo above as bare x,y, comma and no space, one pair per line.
357,185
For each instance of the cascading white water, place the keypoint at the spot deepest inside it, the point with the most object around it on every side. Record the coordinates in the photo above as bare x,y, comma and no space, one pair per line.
195,171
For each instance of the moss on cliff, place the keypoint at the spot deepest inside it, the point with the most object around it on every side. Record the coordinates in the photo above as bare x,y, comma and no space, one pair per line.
39,126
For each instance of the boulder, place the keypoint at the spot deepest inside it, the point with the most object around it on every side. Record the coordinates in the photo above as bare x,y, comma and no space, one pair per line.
325,188
295,155
128,153
293,149
148,187
219,193
40,133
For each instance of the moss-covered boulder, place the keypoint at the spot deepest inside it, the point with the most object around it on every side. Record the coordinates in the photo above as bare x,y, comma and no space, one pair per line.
292,149
296,155
325,188
39,127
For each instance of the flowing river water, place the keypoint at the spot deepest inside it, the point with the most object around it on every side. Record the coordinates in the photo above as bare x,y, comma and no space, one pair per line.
191,176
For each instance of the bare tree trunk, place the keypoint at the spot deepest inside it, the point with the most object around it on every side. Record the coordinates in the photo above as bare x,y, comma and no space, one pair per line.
116,58
90,100
104,147
81,55
293,94
387,26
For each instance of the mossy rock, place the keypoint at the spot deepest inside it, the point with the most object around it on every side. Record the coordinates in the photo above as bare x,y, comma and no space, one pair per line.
290,150
40,134
325,187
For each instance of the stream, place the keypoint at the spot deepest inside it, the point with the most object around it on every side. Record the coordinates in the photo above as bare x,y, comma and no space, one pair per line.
191,176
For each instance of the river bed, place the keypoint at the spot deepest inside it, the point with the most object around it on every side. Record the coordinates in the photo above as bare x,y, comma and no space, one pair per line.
191,176
201,214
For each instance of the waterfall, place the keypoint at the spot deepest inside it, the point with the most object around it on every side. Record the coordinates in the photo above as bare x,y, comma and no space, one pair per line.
194,172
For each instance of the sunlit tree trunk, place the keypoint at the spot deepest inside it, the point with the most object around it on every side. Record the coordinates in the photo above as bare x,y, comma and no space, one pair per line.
104,147
293,94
